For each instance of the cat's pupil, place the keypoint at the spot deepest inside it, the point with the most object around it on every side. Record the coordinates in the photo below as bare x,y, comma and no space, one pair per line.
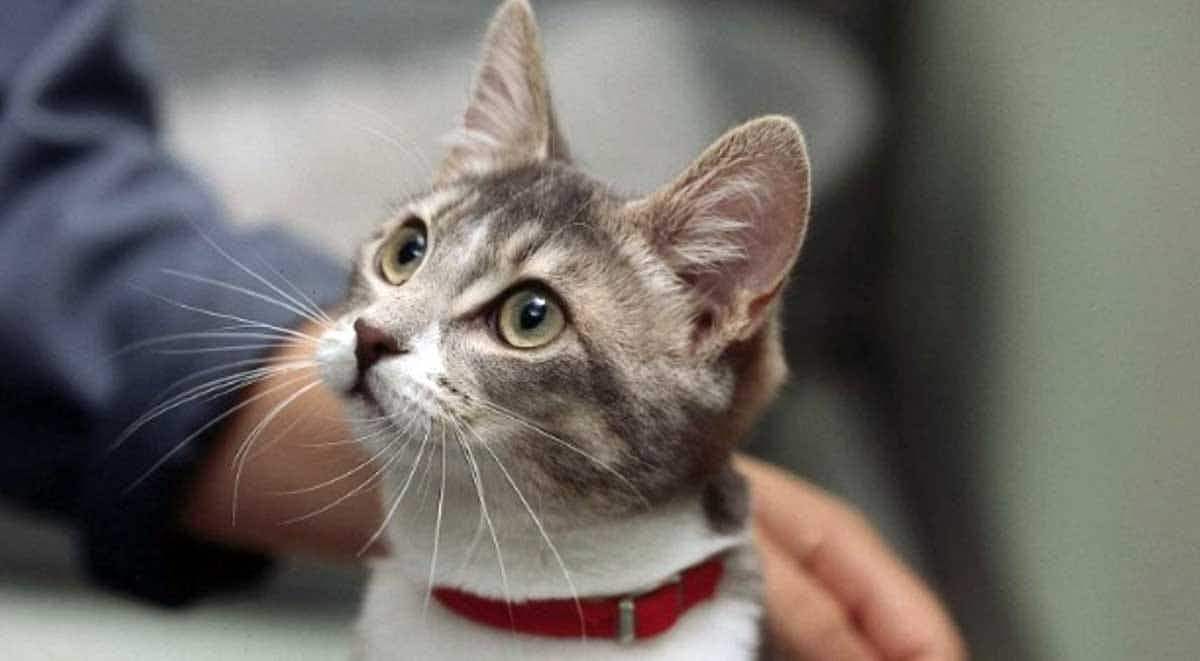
412,250
533,313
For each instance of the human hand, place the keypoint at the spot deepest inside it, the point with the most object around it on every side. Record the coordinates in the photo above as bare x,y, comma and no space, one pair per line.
833,588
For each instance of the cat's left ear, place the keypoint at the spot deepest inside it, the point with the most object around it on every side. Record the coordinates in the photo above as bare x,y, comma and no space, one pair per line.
731,226
509,120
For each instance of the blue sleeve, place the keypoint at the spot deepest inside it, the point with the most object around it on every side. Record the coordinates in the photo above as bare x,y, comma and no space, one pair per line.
93,214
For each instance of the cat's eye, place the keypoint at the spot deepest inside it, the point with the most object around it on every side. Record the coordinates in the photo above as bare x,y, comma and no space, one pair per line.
403,253
529,318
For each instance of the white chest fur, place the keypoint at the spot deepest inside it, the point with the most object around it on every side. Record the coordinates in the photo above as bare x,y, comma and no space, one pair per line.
396,625
398,621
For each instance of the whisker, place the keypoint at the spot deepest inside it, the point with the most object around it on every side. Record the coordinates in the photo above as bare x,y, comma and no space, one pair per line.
570,446
370,481
366,483
477,480
231,348
205,427
245,380
408,150
541,529
437,528
219,386
346,418
347,474
232,332
424,485
305,298
229,317
399,498
218,368
294,308
303,417
224,253
384,421
239,457
331,444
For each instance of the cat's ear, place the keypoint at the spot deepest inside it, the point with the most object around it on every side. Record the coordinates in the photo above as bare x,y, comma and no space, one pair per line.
509,120
731,225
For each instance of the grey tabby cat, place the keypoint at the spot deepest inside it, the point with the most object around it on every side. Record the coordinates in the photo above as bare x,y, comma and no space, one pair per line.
570,369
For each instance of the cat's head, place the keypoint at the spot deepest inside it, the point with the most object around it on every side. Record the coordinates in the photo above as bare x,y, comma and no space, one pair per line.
609,349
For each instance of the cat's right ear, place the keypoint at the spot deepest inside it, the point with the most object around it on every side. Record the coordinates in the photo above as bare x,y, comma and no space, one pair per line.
730,227
509,120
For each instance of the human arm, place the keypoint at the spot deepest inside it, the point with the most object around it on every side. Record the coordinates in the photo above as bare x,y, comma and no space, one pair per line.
93,214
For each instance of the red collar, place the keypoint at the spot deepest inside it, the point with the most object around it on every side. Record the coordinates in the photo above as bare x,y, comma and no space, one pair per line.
626,617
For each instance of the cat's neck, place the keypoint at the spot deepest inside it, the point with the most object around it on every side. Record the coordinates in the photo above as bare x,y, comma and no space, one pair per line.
553,557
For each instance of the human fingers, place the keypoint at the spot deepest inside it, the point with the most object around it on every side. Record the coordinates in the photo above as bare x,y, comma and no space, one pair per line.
839,549
805,621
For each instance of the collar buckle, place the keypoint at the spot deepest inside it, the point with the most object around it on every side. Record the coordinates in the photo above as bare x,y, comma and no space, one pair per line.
627,608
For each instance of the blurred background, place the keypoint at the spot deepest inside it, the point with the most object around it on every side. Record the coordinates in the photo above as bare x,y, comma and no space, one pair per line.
992,329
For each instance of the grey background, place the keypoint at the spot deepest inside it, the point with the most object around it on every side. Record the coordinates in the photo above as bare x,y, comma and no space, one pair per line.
1026,173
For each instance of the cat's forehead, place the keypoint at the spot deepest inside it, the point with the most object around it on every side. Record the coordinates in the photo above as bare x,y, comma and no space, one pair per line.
509,203
533,214
553,194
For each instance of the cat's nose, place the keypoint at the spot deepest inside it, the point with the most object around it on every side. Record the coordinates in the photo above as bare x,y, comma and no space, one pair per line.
372,344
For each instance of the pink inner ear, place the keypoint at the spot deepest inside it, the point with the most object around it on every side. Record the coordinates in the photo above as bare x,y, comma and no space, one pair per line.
762,211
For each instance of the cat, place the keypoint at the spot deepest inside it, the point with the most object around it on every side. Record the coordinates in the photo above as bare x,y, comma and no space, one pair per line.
562,372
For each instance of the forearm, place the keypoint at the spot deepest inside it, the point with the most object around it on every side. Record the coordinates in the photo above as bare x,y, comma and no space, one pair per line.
307,444
94,214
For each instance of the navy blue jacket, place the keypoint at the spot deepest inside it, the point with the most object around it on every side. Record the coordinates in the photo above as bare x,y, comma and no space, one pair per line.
91,211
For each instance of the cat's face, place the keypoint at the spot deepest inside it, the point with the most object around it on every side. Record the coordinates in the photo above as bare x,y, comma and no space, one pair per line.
608,350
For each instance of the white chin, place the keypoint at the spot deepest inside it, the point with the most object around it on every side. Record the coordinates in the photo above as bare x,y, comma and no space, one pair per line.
335,356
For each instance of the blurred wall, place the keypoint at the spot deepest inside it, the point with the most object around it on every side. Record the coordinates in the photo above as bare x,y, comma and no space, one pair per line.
1075,126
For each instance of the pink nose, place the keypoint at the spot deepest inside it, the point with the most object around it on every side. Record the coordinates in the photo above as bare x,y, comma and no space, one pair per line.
372,344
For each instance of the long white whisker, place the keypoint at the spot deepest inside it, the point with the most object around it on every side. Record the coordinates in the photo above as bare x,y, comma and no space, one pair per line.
283,433
239,458
425,484
400,497
408,150
294,308
229,348
220,386
562,565
437,528
370,481
384,425
205,427
345,475
259,362
477,479
245,381
305,298
233,332
229,317
570,446
384,420
248,270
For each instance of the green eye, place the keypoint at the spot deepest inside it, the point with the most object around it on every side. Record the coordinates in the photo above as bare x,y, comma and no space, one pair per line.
403,253
529,318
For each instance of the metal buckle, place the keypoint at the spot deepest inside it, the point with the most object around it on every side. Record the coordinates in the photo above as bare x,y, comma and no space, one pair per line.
627,608
626,618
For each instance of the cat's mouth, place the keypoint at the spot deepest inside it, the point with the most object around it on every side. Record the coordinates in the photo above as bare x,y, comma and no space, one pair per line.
362,392
398,400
